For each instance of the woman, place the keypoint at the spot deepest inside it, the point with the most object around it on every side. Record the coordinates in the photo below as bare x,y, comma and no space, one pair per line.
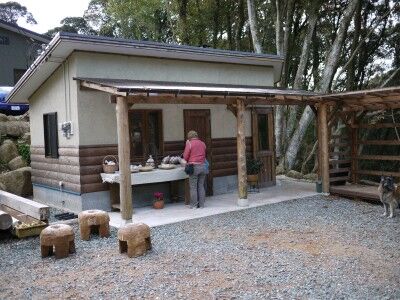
195,154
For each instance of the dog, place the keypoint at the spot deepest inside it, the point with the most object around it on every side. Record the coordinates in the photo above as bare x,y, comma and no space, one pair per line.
389,194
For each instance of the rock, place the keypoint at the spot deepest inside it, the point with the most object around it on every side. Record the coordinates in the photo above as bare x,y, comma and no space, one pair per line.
3,118
14,128
18,181
26,138
8,151
2,187
280,170
311,176
294,174
17,163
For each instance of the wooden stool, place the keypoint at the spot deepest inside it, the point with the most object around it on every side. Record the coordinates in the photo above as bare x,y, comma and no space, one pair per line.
61,237
93,221
134,239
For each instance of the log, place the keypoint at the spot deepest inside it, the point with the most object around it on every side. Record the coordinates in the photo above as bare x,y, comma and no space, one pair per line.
5,220
125,190
241,154
26,206
324,146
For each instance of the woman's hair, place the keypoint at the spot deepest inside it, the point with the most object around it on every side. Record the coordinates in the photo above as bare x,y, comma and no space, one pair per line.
192,134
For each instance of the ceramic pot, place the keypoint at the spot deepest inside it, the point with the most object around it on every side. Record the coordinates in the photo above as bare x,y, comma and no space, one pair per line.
158,204
252,179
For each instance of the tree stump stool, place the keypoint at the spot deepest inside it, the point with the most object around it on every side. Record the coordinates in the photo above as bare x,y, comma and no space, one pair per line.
93,221
134,239
61,237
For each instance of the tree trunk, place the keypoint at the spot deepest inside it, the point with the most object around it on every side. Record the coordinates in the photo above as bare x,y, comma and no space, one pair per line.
331,63
253,26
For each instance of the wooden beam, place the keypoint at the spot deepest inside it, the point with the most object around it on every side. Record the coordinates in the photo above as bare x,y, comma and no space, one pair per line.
323,146
241,153
5,220
354,150
125,190
98,87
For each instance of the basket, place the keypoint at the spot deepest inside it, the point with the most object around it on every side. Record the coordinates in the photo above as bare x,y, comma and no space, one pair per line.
110,168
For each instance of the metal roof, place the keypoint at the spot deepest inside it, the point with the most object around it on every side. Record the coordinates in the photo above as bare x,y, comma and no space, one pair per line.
137,86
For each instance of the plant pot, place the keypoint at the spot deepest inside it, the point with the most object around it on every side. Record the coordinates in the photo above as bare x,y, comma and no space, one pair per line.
252,179
158,204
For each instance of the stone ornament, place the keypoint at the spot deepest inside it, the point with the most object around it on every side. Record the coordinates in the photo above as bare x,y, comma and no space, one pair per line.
93,221
134,239
61,237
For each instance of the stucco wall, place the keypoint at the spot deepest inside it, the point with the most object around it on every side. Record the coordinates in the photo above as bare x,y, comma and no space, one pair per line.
17,55
98,124
57,94
97,115
142,68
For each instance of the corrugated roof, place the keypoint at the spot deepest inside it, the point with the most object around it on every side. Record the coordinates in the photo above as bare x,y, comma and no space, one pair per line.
138,86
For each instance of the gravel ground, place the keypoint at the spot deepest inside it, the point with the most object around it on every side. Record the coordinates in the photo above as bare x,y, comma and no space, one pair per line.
308,248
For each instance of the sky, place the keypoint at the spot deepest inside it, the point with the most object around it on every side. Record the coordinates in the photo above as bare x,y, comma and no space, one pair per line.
49,13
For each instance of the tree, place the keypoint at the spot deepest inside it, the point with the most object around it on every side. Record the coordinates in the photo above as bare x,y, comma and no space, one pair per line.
13,11
74,25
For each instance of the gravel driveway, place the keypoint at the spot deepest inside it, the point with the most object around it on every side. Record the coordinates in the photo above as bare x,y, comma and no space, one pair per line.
308,248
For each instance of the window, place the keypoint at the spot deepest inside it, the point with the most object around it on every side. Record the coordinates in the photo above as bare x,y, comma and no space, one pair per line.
145,128
18,74
4,40
50,135
262,123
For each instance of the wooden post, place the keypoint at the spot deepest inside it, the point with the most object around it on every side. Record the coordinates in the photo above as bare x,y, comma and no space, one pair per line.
125,185
354,150
241,154
323,146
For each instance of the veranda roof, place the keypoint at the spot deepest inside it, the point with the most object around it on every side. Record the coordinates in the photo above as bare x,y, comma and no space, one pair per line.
375,99
182,92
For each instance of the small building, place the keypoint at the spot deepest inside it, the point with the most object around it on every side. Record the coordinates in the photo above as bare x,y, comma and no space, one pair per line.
19,47
167,90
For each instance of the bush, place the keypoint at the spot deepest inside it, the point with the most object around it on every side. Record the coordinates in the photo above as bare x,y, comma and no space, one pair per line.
25,151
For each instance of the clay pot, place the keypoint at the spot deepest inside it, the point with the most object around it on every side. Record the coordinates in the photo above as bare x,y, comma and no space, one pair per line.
252,179
158,204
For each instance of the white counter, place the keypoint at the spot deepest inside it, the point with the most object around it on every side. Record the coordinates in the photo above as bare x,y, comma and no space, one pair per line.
157,175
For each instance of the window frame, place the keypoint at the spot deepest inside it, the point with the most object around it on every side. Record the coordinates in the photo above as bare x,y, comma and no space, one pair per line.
145,133
49,133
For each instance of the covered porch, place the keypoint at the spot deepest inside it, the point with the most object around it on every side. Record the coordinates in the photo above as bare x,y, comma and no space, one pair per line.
237,99
286,189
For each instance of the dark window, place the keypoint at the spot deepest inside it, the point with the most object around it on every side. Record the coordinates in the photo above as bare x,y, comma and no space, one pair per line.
50,135
18,74
263,132
4,40
145,127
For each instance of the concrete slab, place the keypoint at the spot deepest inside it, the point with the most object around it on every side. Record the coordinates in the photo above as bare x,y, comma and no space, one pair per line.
285,189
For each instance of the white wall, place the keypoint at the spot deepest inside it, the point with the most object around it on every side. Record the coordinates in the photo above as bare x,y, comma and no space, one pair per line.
57,94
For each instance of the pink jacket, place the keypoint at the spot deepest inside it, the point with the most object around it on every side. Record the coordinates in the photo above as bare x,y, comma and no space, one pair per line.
195,152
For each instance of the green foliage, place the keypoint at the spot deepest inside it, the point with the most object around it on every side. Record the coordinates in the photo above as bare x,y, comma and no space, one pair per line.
74,25
25,151
253,166
13,11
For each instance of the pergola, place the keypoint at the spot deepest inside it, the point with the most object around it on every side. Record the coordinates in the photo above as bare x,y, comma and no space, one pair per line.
236,98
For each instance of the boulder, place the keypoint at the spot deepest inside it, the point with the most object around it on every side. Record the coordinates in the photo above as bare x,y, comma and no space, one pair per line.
18,181
311,176
26,138
280,170
2,187
3,118
15,128
294,174
8,151
17,163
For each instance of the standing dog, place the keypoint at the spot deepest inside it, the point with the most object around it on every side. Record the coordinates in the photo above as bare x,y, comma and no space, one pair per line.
389,193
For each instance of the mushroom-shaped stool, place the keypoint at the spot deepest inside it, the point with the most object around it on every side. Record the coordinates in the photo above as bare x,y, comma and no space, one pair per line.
59,236
134,239
93,221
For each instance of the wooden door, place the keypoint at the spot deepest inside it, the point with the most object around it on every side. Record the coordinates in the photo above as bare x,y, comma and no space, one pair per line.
200,121
264,143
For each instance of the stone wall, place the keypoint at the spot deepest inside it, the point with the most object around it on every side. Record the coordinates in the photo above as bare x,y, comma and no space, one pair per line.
15,173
